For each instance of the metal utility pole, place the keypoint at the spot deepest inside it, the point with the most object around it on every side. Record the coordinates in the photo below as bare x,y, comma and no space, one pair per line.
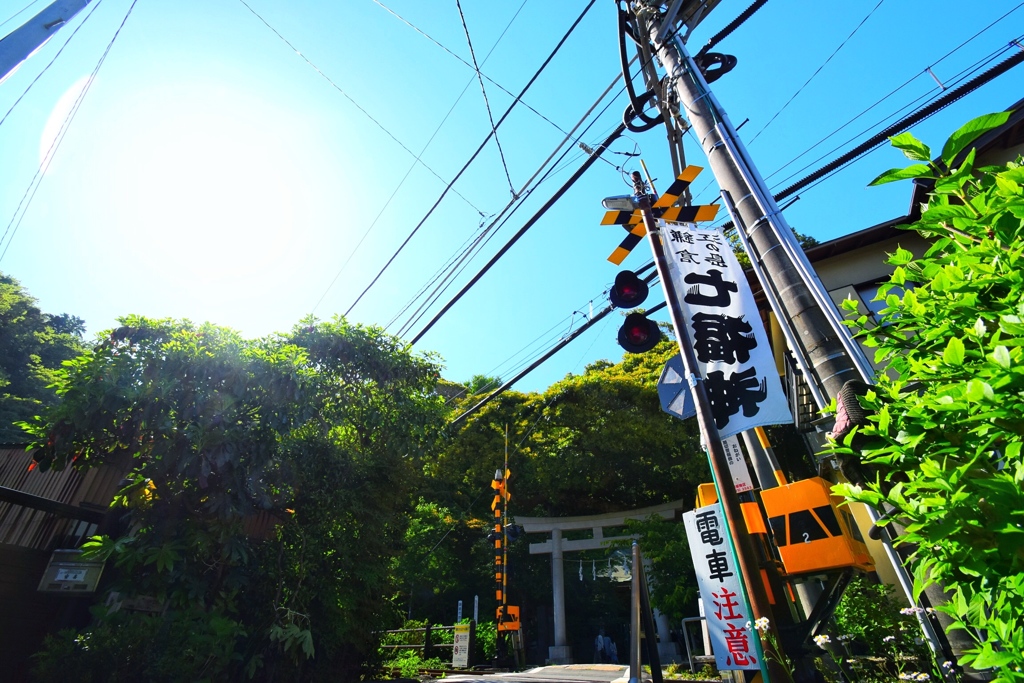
824,350
826,353
17,46
746,556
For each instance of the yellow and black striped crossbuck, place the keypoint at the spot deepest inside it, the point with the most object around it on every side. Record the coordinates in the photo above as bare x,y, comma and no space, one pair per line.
633,222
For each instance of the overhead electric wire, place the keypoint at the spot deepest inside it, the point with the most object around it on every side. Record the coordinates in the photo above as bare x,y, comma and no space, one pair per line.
483,90
890,94
504,216
11,18
483,144
551,201
817,71
941,59
958,78
558,347
522,231
491,80
354,103
900,126
401,183
37,179
47,67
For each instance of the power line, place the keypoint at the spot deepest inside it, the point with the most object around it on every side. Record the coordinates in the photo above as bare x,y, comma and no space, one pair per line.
354,103
967,72
800,89
890,94
522,231
37,179
489,79
504,216
472,157
394,193
11,18
900,126
733,25
950,97
487,104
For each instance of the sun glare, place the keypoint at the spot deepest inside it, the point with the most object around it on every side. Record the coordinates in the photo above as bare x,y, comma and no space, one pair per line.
208,185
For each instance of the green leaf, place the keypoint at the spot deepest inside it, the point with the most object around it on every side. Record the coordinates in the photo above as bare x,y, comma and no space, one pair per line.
912,147
894,174
969,132
954,353
1001,357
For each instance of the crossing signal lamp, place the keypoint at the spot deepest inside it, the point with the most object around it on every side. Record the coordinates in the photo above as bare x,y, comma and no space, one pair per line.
638,334
629,291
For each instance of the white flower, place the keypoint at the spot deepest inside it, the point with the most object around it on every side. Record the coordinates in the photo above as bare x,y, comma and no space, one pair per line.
922,677
947,664
907,611
888,639
747,626
761,624
822,640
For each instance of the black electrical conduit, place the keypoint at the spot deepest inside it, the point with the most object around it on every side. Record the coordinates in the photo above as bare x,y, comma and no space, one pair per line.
529,224
555,349
732,26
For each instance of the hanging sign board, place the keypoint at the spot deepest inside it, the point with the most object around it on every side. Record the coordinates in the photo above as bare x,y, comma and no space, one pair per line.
726,611
737,465
460,650
734,360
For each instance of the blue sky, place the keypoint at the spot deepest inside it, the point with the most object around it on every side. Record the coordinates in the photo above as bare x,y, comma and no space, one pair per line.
211,173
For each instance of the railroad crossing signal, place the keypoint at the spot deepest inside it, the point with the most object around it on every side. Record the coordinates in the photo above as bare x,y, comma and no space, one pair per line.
663,208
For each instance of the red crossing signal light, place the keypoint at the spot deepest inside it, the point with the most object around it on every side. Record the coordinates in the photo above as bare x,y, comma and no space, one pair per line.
638,334
629,291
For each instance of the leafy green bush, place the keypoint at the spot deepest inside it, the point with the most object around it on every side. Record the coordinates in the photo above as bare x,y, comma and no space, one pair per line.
947,416
870,616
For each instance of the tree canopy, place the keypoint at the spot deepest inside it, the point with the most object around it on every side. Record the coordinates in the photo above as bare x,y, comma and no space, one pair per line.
33,345
269,490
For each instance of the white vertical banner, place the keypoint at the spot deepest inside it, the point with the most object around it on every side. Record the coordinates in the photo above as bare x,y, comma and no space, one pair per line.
725,609
737,465
725,331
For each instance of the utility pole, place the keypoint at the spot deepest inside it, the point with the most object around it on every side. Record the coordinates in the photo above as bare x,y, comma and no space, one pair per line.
17,46
746,556
825,352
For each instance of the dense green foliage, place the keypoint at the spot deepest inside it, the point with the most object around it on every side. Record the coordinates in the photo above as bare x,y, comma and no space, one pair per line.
592,443
33,345
947,423
269,490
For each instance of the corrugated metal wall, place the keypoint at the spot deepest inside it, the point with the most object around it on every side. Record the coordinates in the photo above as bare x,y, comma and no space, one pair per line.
28,528
27,537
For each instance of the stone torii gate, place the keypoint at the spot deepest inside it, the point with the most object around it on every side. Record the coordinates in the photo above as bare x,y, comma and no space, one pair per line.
560,652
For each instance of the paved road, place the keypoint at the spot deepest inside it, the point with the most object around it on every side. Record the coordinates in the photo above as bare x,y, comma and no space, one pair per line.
569,673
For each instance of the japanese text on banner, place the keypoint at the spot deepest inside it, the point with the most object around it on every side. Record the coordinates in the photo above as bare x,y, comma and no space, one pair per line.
723,326
726,611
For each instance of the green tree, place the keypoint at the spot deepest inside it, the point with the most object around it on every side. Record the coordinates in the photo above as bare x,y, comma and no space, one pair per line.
33,345
595,442
482,384
947,416
269,491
